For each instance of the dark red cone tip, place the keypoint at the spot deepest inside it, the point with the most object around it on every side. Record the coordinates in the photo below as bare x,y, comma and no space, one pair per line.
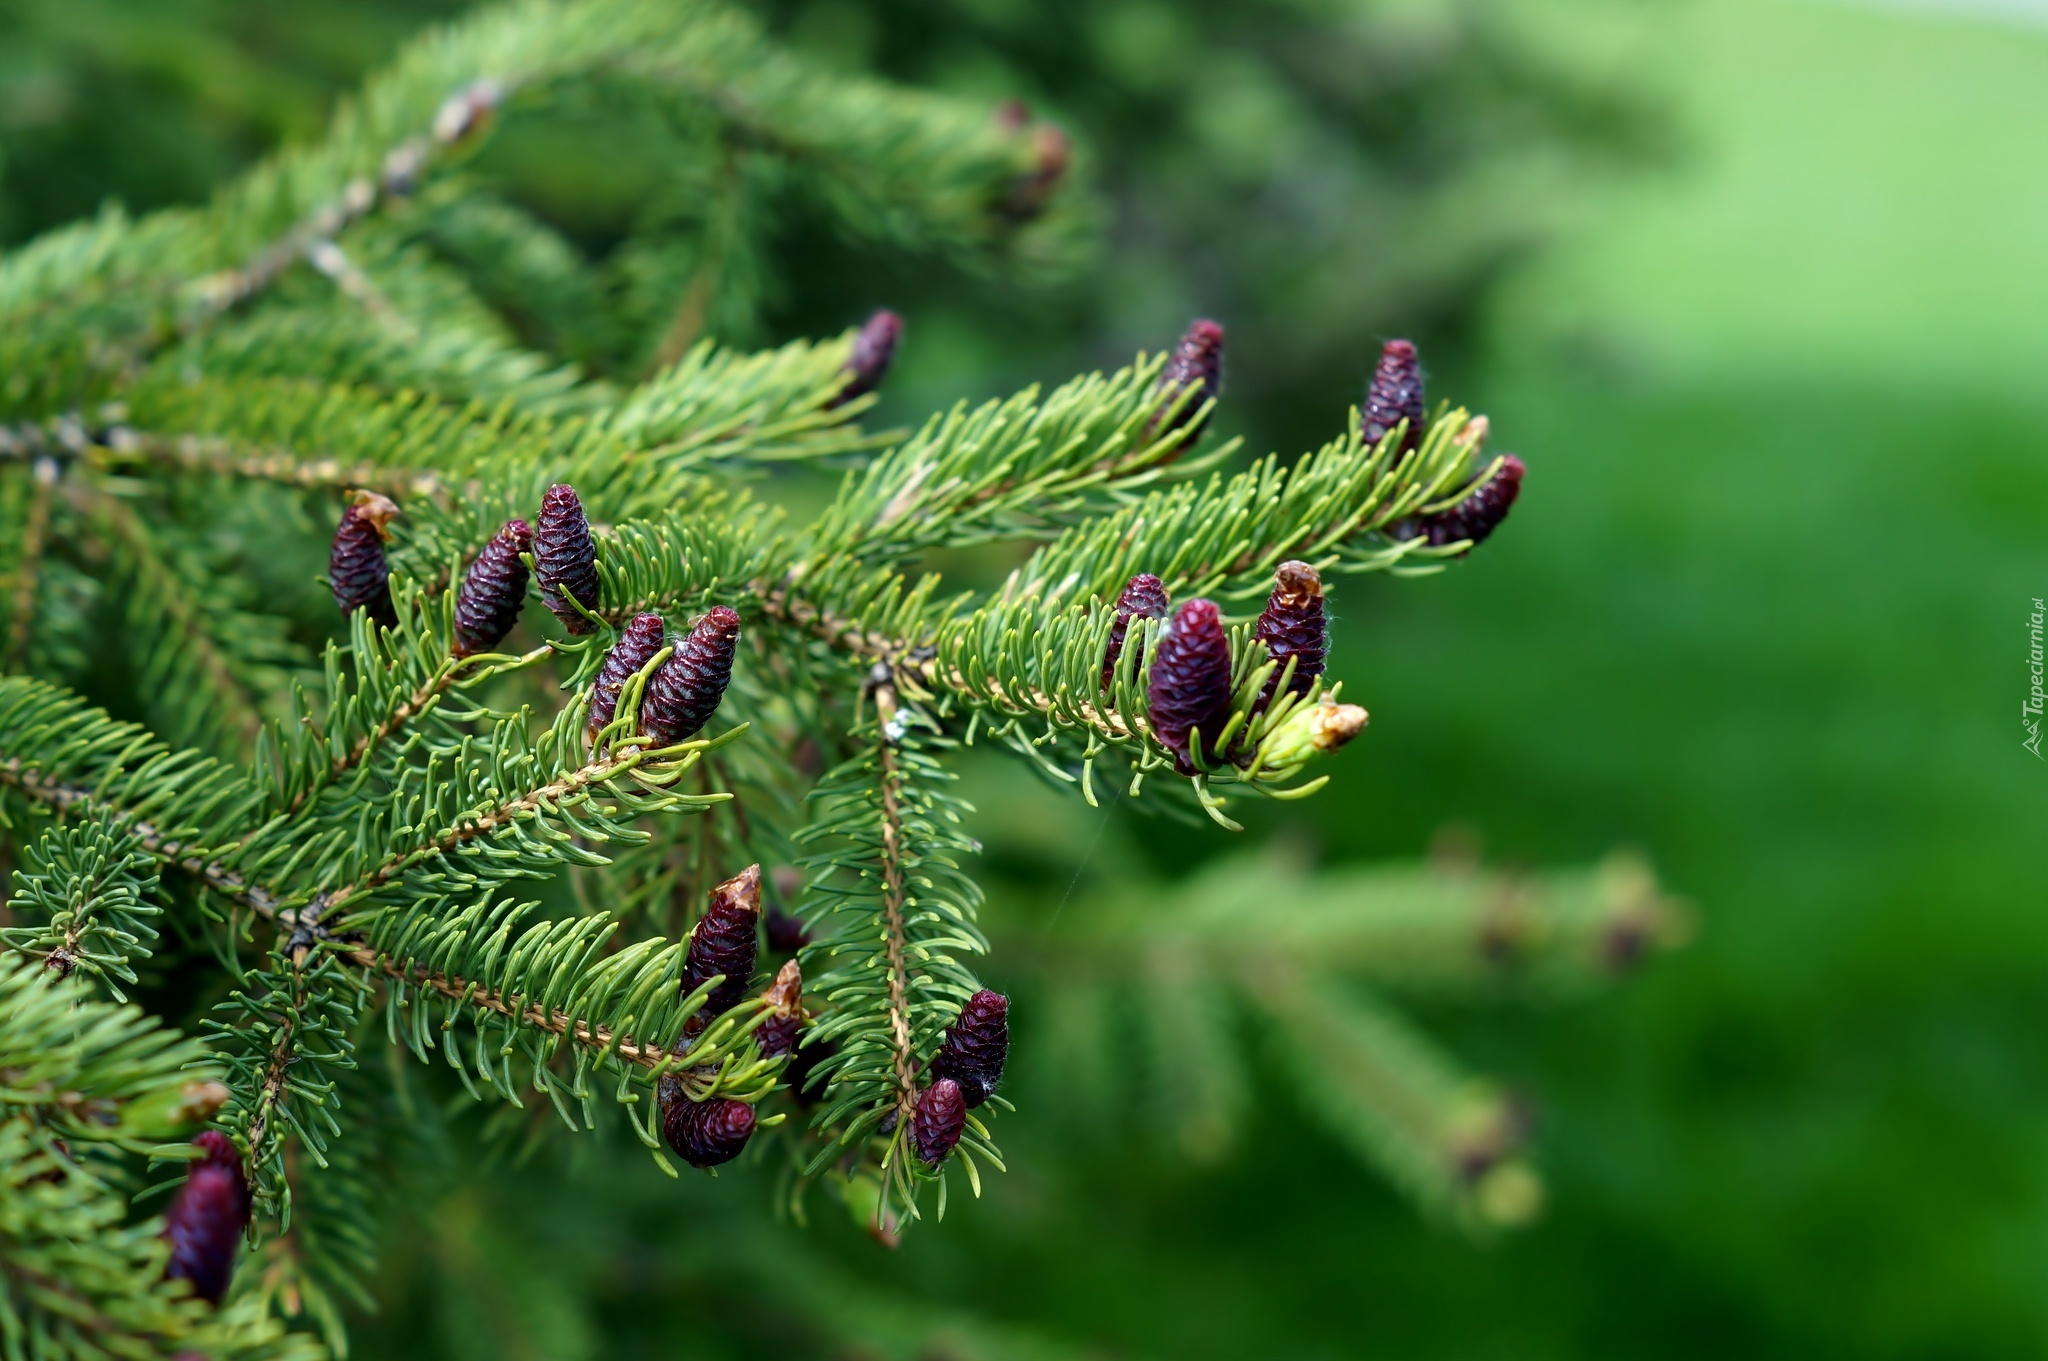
938,1121
1190,684
1197,362
725,942
487,605
874,346
976,1047
1143,597
637,644
358,572
785,996
681,697
1395,394
204,1225
565,557
1293,625
1031,191
221,1152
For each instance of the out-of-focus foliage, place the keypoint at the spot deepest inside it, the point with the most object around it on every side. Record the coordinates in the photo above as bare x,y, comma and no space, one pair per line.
156,103
1318,174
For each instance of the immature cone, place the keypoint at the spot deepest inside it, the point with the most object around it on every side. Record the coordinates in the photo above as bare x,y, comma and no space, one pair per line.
937,1123
221,1152
874,345
724,943
564,557
1293,626
778,1034
1030,192
1143,597
976,1047
1313,729
1190,686
1480,513
681,697
1197,364
636,647
706,1133
357,570
488,604
204,1224
1395,395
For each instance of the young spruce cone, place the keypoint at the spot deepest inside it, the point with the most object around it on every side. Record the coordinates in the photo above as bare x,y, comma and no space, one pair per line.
778,1034
681,697
204,1224
488,604
1293,626
1190,686
724,942
936,1125
221,1152
1480,513
635,648
357,571
1029,193
1197,363
704,1133
1143,598
874,345
564,557
976,1047
1393,396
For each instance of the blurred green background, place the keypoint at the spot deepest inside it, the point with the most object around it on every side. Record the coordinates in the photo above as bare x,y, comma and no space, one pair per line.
1756,288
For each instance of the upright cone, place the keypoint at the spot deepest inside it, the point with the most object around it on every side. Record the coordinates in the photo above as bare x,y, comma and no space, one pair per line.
1395,395
681,697
1293,626
565,558
357,571
487,605
1190,686
1143,597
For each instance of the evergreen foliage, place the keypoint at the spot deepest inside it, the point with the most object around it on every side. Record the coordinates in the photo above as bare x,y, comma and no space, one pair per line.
390,840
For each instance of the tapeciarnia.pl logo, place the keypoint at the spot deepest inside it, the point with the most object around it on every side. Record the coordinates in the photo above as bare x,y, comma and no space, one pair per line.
2030,712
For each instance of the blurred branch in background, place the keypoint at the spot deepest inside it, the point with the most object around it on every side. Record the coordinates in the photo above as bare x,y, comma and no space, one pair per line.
1320,175
1149,988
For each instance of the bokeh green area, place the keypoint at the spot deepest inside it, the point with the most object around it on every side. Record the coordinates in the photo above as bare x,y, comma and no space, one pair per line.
1761,613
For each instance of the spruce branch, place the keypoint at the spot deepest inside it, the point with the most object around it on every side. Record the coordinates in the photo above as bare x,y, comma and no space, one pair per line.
85,1078
91,885
365,317
1310,956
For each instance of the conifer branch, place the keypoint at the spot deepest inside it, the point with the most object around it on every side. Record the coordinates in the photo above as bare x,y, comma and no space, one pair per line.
182,633
91,884
893,903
